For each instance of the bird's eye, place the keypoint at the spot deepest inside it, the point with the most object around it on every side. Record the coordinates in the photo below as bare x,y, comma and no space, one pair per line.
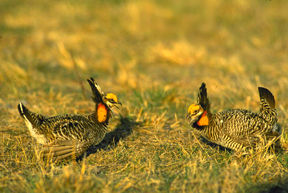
196,111
111,101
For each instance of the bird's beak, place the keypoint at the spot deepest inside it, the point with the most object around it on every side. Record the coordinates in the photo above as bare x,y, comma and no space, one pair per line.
117,105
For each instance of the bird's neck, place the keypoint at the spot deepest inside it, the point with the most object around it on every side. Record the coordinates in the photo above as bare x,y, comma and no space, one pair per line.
94,117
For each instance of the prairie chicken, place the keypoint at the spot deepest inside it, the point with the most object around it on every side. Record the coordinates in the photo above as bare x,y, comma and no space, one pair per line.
67,136
236,129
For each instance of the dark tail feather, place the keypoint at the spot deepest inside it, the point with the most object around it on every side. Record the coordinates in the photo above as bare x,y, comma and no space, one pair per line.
33,118
96,90
23,111
203,98
264,93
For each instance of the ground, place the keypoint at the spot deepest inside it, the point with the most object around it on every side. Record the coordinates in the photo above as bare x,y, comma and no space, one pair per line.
154,55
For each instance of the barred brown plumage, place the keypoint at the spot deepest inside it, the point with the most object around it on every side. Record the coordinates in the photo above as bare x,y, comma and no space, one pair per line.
236,129
67,136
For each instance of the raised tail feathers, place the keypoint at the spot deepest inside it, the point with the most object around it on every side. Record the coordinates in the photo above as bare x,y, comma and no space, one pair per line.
265,94
22,110
30,118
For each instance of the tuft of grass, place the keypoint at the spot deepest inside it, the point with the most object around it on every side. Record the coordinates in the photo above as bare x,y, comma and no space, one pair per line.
154,55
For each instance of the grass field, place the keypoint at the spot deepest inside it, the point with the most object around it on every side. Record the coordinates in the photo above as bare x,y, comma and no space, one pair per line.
154,55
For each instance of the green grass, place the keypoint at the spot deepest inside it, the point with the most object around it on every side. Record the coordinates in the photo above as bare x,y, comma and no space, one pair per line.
154,55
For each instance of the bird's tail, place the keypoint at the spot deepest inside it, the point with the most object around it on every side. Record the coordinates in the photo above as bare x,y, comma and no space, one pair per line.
30,118
22,110
267,106
265,94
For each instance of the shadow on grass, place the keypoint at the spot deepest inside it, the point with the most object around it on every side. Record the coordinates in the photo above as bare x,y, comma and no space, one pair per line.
281,187
111,139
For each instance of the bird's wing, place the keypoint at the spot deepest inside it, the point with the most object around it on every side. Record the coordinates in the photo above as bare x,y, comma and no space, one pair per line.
239,123
69,127
70,136
64,149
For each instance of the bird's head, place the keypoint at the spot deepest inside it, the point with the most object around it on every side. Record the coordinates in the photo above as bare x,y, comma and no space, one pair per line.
197,116
104,102
111,100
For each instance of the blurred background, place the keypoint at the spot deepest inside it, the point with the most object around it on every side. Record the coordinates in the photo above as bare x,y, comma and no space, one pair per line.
154,55
139,44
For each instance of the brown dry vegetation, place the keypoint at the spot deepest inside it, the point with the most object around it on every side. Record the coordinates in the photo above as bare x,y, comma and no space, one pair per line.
154,55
